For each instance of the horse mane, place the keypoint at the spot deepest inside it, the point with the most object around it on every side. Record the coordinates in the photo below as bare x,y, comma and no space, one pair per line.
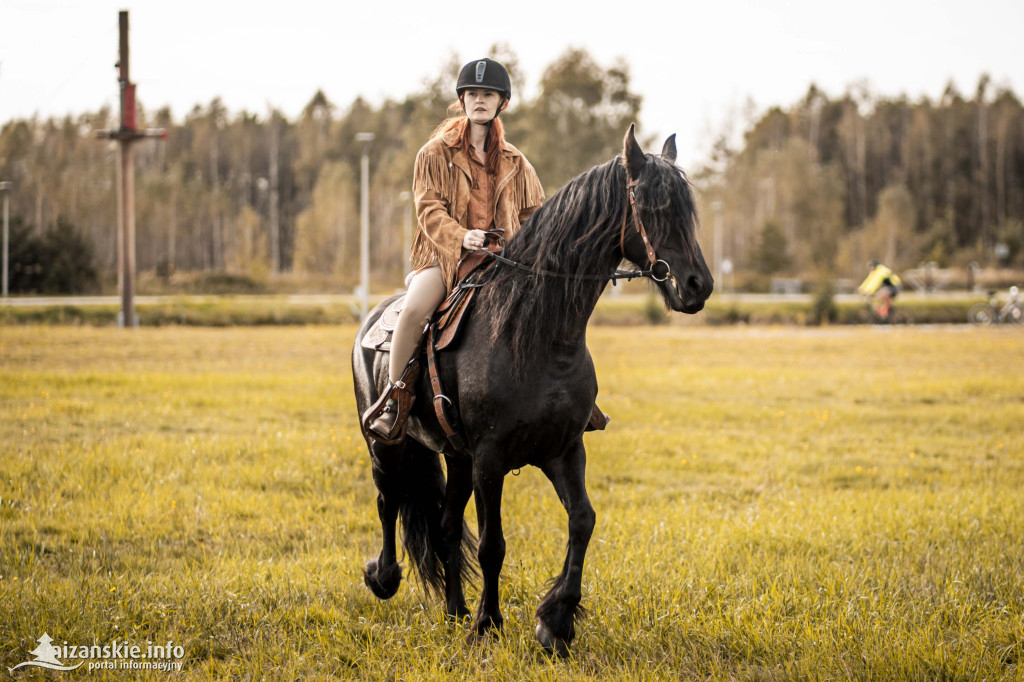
576,232
554,238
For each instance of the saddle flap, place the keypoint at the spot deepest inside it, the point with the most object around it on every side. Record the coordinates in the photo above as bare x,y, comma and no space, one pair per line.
378,337
389,318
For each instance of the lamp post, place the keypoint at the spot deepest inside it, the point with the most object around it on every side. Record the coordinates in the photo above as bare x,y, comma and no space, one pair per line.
406,197
364,225
5,188
716,206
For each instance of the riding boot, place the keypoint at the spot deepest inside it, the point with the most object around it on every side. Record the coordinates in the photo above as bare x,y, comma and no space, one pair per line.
385,420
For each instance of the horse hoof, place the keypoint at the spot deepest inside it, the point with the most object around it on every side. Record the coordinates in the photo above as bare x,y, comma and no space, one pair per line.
460,614
551,643
383,583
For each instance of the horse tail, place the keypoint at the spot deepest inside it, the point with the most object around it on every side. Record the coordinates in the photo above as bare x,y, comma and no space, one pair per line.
420,512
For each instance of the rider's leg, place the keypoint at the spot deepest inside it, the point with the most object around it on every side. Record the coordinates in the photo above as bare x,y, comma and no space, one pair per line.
385,420
886,305
426,291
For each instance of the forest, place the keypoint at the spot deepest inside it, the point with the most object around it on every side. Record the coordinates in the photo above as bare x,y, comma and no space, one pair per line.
810,190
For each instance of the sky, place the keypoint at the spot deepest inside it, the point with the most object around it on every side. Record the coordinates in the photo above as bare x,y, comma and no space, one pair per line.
696,65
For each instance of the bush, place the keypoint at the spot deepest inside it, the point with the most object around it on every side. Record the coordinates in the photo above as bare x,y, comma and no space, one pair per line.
69,266
25,259
823,307
654,309
59,262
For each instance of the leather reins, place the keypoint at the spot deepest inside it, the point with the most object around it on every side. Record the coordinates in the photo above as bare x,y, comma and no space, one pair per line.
618,274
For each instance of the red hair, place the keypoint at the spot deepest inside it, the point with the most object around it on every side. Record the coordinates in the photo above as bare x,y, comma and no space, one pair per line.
457,120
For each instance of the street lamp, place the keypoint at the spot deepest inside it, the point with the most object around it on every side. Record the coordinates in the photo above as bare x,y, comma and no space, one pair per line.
364,225
406,198
5,188
716,207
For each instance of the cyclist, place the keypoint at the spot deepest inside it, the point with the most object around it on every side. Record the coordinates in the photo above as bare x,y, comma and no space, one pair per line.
883,283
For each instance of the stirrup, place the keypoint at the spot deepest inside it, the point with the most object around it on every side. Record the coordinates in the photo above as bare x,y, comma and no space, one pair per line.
385,420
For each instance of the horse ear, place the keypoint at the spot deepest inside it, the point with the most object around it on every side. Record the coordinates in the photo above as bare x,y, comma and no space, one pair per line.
632,154
668,152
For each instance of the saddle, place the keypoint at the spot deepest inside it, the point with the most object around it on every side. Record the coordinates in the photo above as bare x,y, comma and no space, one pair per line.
447,317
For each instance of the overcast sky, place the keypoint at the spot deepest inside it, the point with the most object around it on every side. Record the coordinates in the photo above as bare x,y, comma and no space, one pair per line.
693,63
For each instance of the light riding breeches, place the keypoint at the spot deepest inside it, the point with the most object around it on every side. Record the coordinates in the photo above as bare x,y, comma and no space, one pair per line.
425,292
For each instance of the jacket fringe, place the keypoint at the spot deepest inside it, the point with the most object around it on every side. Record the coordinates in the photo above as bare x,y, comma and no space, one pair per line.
433,171
526,188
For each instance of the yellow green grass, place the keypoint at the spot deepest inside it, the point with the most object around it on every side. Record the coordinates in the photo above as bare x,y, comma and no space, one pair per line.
772,504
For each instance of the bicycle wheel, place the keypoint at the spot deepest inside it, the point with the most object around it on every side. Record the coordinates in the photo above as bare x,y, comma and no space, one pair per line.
981,314
900,316
1014,315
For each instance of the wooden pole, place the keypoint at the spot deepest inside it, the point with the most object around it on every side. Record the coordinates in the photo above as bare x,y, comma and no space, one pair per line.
126,214
125,135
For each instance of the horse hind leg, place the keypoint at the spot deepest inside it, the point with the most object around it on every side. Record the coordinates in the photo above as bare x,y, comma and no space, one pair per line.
560,608
487,488
411,487
383,575
458,540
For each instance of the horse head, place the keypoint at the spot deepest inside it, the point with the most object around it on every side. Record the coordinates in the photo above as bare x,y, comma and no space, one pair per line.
663,209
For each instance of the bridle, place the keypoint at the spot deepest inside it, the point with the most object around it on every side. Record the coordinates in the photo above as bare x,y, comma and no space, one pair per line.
618,274
631,184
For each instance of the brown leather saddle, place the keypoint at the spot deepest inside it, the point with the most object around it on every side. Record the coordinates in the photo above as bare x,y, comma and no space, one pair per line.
447,317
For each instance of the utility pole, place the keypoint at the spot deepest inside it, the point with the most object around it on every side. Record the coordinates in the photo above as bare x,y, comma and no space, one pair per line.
364,225
5,188
407,232
126,135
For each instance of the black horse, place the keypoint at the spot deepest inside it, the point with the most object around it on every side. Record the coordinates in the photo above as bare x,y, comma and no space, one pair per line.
524,383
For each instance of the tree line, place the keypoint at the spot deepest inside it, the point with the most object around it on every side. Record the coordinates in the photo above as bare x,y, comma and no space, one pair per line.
827,184
815,189
253,195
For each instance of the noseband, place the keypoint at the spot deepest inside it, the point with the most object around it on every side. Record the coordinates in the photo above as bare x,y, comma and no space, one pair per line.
642,231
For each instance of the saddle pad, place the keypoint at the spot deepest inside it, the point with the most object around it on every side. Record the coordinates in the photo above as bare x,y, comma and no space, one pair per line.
379,335
389,319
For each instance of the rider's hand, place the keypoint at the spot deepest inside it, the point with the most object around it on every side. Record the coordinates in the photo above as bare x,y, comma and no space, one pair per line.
474,239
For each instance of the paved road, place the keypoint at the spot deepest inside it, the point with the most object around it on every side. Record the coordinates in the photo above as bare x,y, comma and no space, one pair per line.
328,299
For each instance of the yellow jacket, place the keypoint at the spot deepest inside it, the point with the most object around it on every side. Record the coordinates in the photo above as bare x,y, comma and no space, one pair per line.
874,280
441,185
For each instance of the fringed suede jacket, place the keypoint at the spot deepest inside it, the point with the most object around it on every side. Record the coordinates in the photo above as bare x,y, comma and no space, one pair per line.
441,186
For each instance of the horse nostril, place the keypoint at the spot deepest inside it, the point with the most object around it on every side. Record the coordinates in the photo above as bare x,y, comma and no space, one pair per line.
692,285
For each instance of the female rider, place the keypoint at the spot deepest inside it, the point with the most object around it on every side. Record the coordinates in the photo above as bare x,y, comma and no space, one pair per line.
467,180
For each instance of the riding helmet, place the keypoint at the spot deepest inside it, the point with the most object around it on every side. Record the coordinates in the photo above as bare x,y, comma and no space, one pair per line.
484,74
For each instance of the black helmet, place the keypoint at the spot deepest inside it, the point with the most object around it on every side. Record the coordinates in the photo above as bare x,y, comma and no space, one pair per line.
484,74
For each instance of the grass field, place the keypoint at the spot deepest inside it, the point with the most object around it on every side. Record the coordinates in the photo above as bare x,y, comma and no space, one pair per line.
773,503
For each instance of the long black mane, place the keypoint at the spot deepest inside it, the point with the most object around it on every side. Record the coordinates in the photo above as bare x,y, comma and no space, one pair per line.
576,232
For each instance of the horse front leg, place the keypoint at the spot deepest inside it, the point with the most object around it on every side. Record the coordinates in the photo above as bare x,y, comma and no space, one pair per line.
457,492
383,575
487,488
558,611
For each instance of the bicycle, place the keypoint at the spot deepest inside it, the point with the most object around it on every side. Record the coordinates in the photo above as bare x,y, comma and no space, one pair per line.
983,314
881,309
